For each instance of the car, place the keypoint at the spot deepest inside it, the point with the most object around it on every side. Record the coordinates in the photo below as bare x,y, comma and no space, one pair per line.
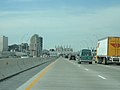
24,56
72,57
66,56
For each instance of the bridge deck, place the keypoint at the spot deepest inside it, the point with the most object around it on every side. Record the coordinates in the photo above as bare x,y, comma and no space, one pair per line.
66,75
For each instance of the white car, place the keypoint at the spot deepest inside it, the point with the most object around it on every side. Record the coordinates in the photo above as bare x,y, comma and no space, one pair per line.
24,56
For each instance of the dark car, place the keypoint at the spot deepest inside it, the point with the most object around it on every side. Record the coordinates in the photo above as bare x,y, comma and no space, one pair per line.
66,56
72,57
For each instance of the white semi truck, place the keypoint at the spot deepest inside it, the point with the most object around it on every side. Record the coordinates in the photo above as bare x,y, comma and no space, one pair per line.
108,50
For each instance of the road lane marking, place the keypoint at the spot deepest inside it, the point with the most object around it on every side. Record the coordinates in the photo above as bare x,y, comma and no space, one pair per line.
74,64
107,66
86,69
32,84
101,77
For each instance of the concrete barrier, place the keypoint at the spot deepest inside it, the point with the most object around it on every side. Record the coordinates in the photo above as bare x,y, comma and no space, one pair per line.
21,64
12,66
8,68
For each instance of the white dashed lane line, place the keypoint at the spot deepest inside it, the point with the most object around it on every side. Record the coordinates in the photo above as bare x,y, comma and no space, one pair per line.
86,69
107,66
101,77
78,65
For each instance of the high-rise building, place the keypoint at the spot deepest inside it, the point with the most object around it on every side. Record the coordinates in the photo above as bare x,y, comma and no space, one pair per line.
23,47
36,45
41,44
3,43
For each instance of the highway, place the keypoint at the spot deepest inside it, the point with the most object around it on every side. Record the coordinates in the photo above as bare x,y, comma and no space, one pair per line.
64,74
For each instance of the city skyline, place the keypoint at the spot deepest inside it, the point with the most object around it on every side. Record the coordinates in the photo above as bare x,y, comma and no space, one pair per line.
79,23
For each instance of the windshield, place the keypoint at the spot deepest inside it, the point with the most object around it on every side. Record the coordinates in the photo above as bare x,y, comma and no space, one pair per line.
86,53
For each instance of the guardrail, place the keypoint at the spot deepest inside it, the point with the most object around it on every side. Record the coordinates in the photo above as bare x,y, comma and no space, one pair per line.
12,66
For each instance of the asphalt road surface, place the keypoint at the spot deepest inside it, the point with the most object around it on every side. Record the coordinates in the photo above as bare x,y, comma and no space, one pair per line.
68,75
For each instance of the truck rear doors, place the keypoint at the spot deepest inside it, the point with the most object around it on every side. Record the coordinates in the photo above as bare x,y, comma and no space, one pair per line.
114,46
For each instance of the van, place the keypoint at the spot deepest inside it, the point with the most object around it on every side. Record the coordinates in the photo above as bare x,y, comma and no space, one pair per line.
85,56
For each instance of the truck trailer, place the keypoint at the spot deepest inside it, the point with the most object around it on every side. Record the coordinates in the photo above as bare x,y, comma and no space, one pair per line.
108,50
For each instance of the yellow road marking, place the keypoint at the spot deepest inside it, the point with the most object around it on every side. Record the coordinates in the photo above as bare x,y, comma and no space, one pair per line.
38,78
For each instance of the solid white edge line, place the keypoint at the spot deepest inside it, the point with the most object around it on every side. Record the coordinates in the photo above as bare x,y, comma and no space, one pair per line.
101,77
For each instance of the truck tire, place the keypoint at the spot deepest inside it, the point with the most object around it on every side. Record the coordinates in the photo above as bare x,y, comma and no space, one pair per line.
117,63
79,62
105,60
95,61
106,63
99,60
90,62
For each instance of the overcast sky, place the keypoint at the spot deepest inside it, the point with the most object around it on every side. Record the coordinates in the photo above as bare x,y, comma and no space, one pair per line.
78,23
